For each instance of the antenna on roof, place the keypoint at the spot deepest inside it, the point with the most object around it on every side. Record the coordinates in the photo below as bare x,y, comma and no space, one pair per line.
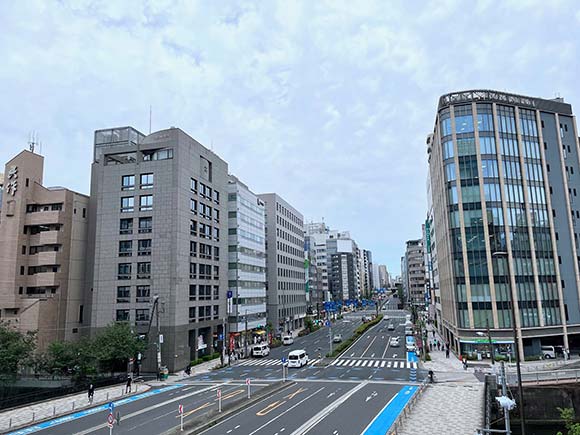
150,116
32,141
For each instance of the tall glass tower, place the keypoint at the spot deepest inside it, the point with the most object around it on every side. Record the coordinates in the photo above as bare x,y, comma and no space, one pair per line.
504,173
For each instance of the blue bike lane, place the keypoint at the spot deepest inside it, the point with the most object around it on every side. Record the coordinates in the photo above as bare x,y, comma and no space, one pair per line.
385,419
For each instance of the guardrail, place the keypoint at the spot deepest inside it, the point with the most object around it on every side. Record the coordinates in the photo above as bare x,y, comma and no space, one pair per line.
540,377
398,423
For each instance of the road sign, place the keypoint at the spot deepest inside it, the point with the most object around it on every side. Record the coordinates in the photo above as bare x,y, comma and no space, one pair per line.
221,337
328,323
248,381
283,360
111,407
219,393
181,409
110,420
230,294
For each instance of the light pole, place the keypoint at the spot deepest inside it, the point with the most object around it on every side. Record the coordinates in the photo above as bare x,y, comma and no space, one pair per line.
516,344
481,334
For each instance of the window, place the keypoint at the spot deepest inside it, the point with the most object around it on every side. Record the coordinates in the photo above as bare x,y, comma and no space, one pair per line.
216,272
193,185
125,248
144,247
143,293
216,234
193,249
204,313
193,206
204,292
192,311
123,294
127,182
193,227
162,154
216,215
216,253
122,316
192,270
127,204
447,149
146,181
216,312
146,202
144,270
216,292
216,197
450,171
126,226
204,271
124,271
145,224
142,315
192,292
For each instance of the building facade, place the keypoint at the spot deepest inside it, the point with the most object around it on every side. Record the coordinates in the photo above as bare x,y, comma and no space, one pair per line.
505,175
43,242
158,233
343,276
415,273
247,264
286,289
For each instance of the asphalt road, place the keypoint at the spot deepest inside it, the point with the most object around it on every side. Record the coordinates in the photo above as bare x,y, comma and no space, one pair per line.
328,393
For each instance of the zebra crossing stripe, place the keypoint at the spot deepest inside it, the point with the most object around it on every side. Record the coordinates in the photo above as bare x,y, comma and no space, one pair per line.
364,363
352,363
383,363
389,364
377,363
358,363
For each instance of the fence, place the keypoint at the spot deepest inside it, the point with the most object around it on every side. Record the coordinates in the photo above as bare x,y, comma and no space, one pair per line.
552,376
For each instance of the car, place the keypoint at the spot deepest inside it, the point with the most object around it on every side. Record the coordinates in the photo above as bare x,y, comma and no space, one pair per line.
337,338
548,352
391,327
261,349
395,342
297,358
287,340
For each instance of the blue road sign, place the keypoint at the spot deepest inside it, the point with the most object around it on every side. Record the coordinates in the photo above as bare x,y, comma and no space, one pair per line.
221,336
283,360
111,407
230,294
328,323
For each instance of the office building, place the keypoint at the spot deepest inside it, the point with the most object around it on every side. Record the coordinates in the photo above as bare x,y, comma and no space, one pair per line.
415,273
343,276
247,265
505,171
286,289
158,230
43,242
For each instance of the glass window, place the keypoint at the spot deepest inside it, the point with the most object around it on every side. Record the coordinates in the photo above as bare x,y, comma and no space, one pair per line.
127,204
484,121
216,196
162,154
145,224
124,271
146,202
193,186
125,248
487,145
450,171
466,147
144,247
193,206
464,124
143,293
123,294
146,181
453,195
122,316
470,194
142,315
489,169
492,192
126,226
448,149
143,270
127,182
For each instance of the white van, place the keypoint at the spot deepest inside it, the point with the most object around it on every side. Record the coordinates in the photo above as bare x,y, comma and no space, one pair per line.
548,352
287,340
297,358
261,349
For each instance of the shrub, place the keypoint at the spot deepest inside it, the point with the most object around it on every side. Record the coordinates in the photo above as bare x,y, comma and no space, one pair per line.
533,358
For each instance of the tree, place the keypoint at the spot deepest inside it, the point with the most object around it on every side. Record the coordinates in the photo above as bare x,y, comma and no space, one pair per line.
115,345
16,348
569,417
72,358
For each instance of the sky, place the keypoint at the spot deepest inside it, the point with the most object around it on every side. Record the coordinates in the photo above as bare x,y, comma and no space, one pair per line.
327,103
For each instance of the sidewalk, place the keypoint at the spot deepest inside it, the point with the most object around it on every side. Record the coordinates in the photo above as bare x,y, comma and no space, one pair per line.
28,414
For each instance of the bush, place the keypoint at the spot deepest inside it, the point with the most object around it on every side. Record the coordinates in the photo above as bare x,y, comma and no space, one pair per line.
501,358
428,357
533,358
275,343
205,358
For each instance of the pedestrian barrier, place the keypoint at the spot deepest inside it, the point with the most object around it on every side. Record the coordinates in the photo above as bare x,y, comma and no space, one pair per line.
413,375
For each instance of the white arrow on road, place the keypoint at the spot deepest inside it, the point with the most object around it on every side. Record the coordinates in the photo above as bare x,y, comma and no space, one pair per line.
330,395
373,394
394,355
373,355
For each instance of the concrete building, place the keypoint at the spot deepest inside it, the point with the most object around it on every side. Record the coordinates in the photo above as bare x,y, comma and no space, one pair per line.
247,264
383,276
158,216
415,273
376,280
368,286
343,276
505,174
43,242
286,289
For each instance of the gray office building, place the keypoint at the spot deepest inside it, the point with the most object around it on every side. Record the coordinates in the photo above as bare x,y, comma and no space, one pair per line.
286,289
505,179
158,229
343,276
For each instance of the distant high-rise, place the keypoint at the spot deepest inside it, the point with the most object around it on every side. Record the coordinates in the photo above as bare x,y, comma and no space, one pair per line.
415,273
505,177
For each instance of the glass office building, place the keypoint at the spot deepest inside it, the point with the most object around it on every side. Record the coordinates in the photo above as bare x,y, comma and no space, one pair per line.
504,174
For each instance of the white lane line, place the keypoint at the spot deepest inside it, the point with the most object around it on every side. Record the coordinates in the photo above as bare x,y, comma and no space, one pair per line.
383,363
377,363
307,426
370,344
389,365
334,362
386,348
358,363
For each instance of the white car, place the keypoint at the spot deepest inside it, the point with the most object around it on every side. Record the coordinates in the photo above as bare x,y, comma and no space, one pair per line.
297,358
287,340
261,349
395,342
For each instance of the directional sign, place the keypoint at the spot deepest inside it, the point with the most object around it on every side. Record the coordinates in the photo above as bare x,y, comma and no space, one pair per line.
230,294
111,407
248,381
219,393
283,360
181,409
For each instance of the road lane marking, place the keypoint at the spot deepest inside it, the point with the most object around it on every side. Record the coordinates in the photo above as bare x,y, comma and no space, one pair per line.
368,347
272,406
295,393
308,425
364,363
205,405
386,348
383,363
358,363
352,363
386,417
230,395
288,410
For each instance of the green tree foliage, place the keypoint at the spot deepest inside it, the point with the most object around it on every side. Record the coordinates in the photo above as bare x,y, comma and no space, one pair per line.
115,345
16,348
569,417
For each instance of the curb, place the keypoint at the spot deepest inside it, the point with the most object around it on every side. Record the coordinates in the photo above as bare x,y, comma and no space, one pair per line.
212,418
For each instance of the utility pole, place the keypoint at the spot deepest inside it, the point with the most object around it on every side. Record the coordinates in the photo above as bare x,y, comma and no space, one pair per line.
504,393
224,335
330,337
246,335
159,336
490,342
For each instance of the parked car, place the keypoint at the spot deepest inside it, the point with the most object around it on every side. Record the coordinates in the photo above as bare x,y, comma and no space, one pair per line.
287,340
391,327
548,352
337,338
395,342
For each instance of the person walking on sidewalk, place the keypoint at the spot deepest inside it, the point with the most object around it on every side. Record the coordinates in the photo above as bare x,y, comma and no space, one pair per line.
91,393
118,418
128,387
447,353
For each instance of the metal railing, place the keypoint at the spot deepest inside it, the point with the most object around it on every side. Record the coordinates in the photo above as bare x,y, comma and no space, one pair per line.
552,376
400,420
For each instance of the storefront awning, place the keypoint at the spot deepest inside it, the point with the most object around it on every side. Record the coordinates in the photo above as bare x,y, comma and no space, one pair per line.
484,341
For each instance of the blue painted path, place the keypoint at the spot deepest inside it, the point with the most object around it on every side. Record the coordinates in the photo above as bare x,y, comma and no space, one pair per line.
412,357
105,407
382,422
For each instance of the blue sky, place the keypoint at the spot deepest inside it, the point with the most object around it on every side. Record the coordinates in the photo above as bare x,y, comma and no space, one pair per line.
326,103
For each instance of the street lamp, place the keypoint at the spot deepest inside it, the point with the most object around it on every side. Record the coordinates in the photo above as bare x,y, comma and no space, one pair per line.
516,344
488,335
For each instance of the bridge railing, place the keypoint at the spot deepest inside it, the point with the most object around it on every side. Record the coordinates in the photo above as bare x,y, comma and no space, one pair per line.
545,376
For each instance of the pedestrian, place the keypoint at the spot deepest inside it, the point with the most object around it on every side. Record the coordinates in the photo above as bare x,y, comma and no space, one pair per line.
128,387
118,418
447,353
91,393
433,332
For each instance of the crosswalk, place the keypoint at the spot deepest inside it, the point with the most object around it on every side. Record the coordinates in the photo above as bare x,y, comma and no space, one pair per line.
374,364
270,362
